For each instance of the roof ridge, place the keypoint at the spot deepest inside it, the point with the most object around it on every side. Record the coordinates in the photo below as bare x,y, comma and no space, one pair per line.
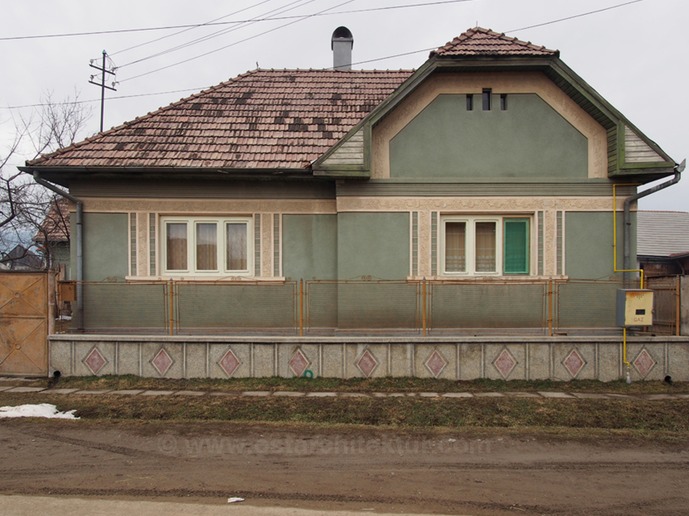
453,47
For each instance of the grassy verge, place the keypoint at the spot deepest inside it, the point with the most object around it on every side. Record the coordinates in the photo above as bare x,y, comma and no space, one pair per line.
387,384
667,416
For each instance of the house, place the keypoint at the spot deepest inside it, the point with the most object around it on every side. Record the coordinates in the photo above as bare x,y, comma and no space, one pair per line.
19,258
52,236
491,191
663,243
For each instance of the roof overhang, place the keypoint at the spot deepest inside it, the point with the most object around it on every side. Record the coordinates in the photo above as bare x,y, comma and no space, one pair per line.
63,176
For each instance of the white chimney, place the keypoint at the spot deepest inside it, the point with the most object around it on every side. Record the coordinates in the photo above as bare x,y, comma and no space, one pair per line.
341,44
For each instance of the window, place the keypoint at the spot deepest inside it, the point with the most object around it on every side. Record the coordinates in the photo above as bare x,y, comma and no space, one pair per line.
487,92
476,246
207,246
470,102
503,102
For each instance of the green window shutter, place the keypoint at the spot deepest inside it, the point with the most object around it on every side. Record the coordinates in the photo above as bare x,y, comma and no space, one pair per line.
516,246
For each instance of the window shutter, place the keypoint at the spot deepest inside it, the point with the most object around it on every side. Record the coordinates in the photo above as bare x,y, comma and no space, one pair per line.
516,249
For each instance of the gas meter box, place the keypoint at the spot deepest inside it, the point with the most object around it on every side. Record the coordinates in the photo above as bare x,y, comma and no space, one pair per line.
634,307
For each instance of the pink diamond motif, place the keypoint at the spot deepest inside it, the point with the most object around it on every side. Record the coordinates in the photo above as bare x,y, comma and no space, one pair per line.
299,362
162,361
95,360
574,363
229,362
505,363
644,363
367,363
436,363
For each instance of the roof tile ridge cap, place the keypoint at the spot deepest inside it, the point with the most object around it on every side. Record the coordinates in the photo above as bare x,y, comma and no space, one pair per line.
464,36
532,46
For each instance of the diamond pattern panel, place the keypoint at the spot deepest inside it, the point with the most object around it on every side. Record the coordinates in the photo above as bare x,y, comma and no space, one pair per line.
574,362
162,361
299,362
644,363
95,360
505,363
229,362
435,363
367,363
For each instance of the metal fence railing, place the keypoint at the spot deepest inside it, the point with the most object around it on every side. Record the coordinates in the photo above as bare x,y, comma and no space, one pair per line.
324,307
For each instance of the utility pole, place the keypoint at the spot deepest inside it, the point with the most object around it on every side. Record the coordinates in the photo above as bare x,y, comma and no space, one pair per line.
103,86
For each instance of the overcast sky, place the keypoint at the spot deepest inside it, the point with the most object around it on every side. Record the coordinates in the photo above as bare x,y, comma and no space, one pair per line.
635,55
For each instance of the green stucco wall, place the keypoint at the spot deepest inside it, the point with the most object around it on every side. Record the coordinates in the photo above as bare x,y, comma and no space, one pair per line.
373,244
528,140
309,247
105,247
589,244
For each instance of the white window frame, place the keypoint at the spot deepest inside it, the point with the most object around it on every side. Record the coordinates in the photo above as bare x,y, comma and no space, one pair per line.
220,223
470,222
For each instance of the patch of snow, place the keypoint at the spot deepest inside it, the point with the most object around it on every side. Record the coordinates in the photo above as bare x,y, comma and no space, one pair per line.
40,410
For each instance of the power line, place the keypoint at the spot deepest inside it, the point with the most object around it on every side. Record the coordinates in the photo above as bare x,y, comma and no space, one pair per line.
239,25
305,17
119,97
393,56
210,24
190,27
576,16
588,13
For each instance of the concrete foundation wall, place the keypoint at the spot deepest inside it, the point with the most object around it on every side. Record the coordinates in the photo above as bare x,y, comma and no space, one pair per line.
509,358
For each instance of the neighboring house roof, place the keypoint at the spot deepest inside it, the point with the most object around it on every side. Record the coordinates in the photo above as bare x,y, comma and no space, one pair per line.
21,258
265,119
481,42
55,226
662,234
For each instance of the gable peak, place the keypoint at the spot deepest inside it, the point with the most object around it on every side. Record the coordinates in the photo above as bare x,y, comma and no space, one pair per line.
478,41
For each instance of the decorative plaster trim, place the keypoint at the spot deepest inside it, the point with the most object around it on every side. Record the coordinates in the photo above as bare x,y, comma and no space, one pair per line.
501,205
209,206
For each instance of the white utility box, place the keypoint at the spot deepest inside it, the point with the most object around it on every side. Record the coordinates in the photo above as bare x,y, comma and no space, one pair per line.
634,307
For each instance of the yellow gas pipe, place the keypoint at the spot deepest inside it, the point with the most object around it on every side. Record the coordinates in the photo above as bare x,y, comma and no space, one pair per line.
616,270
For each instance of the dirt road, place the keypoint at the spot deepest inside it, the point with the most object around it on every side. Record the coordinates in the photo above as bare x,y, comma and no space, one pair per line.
357,470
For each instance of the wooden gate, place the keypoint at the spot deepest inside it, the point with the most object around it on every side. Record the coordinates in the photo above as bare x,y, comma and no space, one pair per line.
24,323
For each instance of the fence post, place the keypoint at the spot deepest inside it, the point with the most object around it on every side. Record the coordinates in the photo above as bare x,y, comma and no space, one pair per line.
423,307
678,306
301,307
549,300
171,306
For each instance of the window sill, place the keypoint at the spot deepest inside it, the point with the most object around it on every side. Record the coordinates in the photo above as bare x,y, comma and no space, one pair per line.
516,278
204,279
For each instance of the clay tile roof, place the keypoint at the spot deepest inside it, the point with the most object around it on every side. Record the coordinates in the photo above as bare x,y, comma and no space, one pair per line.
485,42
55,225
264,119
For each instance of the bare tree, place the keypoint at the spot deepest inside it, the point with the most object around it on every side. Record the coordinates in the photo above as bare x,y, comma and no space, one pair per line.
30,214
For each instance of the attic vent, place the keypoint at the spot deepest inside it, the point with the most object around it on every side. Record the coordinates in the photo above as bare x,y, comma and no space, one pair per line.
341,44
